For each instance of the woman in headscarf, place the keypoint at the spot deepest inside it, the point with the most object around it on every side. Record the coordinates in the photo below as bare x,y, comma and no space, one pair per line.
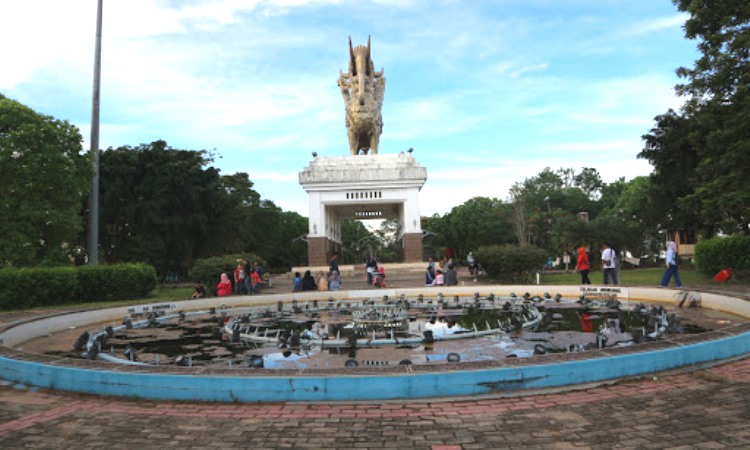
583,266
224,287
672,266
308,282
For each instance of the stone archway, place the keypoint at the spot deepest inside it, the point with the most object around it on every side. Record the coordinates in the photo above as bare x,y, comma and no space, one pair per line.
362,187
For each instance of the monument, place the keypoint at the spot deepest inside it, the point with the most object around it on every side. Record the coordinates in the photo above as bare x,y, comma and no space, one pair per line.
362,89
363,184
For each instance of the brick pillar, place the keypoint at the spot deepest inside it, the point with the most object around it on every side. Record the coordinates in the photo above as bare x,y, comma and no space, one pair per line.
317,251
413,247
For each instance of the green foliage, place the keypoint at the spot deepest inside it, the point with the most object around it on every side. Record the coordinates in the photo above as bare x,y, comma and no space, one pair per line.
480,221
632,222
37,287
208,270
545,204
168,207
159,205
116,282
511,263
357,241
44,178
718,253
701,155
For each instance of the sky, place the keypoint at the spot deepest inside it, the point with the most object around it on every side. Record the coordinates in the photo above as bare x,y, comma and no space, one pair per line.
487,93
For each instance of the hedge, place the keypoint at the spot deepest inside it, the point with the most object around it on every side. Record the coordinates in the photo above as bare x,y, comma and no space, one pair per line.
511,263
37,287
719,253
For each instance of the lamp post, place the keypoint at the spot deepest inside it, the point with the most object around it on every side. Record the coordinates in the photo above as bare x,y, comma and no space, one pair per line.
93,222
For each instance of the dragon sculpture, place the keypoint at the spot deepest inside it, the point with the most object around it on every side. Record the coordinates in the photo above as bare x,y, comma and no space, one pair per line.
362,88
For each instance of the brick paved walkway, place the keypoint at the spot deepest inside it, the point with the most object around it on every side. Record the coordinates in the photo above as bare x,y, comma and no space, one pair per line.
705,409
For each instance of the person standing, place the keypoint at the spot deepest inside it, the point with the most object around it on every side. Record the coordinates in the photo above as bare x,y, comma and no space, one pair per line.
471,261
672,266
583,266
333,264
255,281
609,264
239,280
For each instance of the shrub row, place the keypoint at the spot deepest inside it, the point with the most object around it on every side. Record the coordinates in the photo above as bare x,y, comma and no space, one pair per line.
723,252
37,287
511,264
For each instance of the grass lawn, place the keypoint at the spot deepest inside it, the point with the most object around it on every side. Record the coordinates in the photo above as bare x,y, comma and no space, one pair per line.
649,277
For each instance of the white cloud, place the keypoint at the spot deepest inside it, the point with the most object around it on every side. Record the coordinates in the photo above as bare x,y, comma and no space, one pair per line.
488,93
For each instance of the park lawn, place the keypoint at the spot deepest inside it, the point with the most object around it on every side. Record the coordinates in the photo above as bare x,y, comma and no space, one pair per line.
630,277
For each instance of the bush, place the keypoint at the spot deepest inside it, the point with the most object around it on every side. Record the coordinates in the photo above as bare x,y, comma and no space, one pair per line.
208,270
721,252
117,282
511,263
37,287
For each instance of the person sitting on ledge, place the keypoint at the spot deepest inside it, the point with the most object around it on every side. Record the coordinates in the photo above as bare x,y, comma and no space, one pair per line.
429,276
308,282
439,279
297,282
451,276
200,291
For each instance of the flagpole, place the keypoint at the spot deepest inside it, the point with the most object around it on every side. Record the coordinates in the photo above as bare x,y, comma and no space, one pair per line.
93,222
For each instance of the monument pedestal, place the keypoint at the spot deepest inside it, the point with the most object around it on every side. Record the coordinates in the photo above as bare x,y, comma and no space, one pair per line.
362,187
413,248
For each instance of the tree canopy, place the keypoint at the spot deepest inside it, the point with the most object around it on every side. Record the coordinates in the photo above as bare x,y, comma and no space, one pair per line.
169,207
701,154
45,175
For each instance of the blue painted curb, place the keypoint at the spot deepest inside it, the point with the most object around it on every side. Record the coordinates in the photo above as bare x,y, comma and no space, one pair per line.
269,388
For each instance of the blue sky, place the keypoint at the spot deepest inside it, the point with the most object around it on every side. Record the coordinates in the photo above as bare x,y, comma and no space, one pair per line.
488,93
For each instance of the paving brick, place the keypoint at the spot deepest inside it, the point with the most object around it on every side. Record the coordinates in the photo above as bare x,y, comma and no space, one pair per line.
678,411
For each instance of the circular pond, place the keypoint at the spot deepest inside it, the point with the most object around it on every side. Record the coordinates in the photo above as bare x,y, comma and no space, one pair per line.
352,345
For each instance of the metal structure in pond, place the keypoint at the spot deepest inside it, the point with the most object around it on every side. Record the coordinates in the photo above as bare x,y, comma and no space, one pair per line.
418,325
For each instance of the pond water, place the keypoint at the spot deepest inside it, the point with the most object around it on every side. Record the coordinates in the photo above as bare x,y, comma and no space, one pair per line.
381,332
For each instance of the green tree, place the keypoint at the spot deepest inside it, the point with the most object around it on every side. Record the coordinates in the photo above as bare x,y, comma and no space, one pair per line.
590,182
44,177
672,147
357,241
709,136
480,221
161,206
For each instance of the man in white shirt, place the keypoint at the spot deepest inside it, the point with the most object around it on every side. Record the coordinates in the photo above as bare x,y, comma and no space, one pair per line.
609,264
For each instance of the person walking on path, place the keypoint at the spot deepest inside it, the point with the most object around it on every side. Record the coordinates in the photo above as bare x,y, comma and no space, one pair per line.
672,266
583,266
609,264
